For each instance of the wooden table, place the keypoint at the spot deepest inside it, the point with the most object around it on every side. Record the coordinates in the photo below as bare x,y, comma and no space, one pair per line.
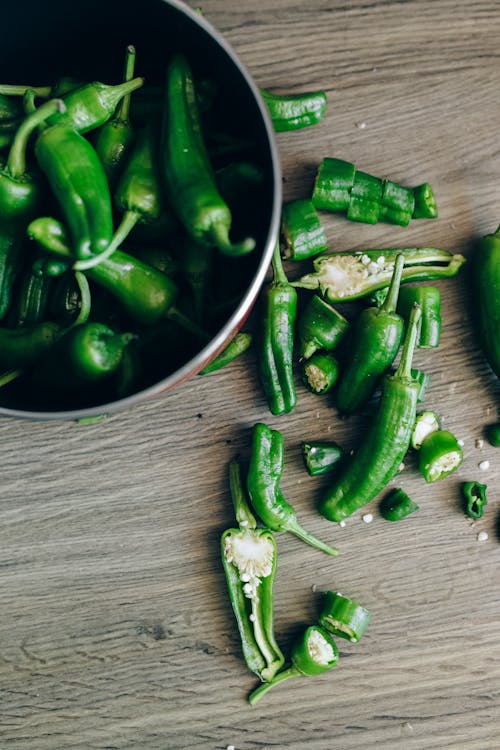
116,630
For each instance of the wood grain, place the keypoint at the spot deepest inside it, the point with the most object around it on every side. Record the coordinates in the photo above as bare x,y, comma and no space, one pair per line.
115,628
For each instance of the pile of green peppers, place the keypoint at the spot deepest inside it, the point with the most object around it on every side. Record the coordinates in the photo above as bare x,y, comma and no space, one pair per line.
121,249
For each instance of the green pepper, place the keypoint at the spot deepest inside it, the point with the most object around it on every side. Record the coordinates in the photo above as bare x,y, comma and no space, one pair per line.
196,263
294,111
333,184
493,434
474,494
346,276
10,110
384,444
321,457
21,348
278,309
319,326
320,372
138,194
31,297
263,485
375,340
249,557
486,293
188,175
343,617
440,454
114,138
425,202
302,231
241,342
425,423
77,179
314,653
397,505
20,198
146,294
429,299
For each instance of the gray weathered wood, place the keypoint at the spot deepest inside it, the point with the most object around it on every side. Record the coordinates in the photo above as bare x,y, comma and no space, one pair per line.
115,627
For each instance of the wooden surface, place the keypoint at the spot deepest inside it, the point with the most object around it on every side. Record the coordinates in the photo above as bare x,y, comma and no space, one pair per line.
115,627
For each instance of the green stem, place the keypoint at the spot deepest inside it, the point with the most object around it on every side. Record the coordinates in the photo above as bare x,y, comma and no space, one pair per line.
15,90
178,317
85,299
29,101
391,300
277,265
9,376
221,239
296,528
16,161
257,694
122,113
128,222
244,515
410,342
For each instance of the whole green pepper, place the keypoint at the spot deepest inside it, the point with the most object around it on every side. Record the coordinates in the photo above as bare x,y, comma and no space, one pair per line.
386,442
187,171
486,293
249,557
263,484
375,340
314,653
278,309
31,297
20,348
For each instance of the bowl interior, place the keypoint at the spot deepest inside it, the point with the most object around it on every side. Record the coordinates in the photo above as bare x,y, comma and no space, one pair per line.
45,41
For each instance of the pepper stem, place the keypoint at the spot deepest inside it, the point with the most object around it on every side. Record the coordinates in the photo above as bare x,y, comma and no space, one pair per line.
15,90
9,376
296,528
410,342
128,222
257,694
178,317
85,299
29,101
220,236
122,112
277,265
390,303
244,515
16,160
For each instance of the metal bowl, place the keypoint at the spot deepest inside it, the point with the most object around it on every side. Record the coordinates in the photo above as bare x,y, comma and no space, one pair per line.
44,41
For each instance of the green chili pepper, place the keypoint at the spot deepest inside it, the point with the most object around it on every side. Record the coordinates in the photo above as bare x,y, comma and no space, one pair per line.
425,203
493,434
343,617
146,294
158,257
20,348
20,198
128,373
313,654
188,175
263,484
65,301
321,457
440,454
64,85
77,179
486,293
86,354
138,194
333,184
320,326
345,276
385,443
397,505
114,138
196,264
241,342
278,309
425,423
429,299
249,558
31,297
375,340
320,372
474,494
302,231
294,111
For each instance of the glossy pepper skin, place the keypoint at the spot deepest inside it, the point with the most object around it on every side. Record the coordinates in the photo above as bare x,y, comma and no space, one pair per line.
312,654
385,443
440,454
301,229
77,179
263,485
397,505
343,617
241,342
429,299
249,558
321,457
276,335
188,174
376,337
486,294
319,326
294,111
474,494
31,298
20,199
21,348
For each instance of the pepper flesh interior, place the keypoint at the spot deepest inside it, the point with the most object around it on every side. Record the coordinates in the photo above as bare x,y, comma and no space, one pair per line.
339,625
253,555
444,465
319,649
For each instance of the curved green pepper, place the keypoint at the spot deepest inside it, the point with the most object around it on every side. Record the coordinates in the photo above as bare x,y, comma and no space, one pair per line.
486,293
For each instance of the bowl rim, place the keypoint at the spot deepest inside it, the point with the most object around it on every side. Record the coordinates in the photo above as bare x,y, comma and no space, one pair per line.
236,320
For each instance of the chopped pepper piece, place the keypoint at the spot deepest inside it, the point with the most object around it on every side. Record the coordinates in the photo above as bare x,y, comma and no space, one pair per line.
294,111
320,372
344,617
397,505
321,457
302,231
425,423
474,494
440,454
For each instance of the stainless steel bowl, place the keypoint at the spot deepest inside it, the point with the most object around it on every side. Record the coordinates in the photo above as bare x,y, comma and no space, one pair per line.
43,41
